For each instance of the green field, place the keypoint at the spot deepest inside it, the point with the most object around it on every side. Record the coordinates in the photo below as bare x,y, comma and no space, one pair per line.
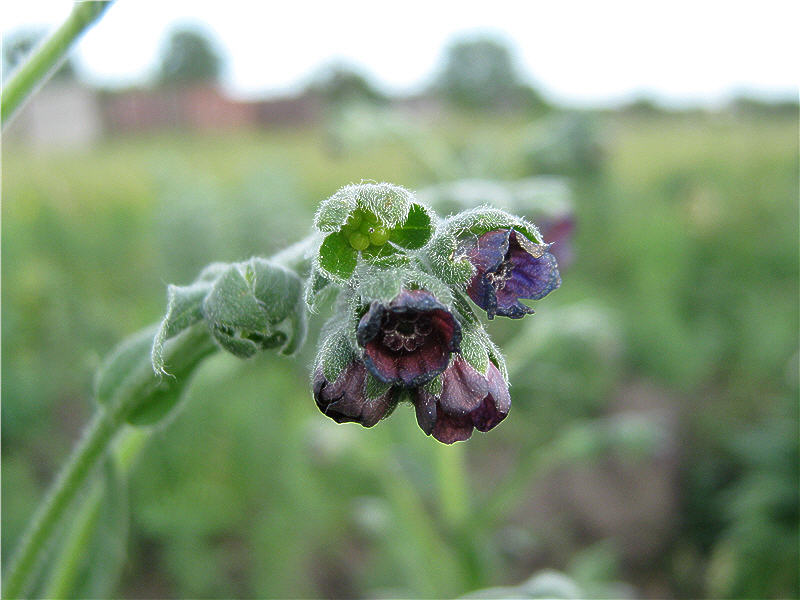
652,446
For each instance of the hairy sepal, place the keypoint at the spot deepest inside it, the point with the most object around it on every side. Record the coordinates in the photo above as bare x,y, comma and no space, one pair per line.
389,203
445,253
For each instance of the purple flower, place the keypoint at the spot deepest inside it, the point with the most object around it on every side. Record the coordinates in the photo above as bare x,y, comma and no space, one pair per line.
509,267
345,400
408,341
468,401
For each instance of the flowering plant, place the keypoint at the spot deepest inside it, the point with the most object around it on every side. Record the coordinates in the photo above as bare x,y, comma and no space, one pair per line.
403,327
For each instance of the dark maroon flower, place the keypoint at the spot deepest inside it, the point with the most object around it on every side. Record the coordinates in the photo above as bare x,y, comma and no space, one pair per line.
468,401
509,267
408,341
345,400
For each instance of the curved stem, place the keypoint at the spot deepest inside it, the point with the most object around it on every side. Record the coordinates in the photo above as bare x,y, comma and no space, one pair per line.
48,56
188,348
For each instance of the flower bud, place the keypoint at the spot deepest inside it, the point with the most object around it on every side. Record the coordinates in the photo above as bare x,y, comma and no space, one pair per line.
345,400
409,340
508,266
468,401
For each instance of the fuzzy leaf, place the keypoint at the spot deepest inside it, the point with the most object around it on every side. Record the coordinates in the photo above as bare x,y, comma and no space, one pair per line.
122,362
374,388
390,203
435,386
482,219
473,349
337,258
333,212
316,290
447,264
379,284
335,350
232,304
164,393
130,364
276,287
184,309
415,231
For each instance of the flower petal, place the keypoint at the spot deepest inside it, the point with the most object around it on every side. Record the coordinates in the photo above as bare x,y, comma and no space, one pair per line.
425,407
345,400
489,250
452,428
497,403
409,358
463,388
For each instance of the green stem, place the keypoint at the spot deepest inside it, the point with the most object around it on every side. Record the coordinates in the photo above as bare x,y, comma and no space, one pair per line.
47,57
86,455
65,568
94,444
296,256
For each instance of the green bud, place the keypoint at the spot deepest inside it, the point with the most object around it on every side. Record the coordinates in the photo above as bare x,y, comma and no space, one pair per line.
355,220
359,241
379,236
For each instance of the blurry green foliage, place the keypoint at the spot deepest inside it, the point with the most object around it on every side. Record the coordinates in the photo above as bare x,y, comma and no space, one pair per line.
686,276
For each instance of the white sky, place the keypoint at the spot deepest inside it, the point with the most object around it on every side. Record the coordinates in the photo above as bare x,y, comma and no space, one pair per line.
578,52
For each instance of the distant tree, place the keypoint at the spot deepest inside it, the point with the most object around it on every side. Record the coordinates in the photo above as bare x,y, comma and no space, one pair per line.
189,56
339,83
645,106
19,44
745,103
480,73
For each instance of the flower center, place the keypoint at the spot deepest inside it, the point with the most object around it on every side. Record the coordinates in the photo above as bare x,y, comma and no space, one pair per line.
406,332
502,274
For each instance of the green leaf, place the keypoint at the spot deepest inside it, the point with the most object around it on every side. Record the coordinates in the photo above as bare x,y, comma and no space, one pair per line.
379,283
374,388
336,257
332,213
184,309
130,365
482,219
472,348
122,363
163,394
442,255
390,203
317,288
232,304
415,231
335,351
435,386
276,287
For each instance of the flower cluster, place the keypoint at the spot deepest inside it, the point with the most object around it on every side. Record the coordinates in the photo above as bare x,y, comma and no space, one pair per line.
404,329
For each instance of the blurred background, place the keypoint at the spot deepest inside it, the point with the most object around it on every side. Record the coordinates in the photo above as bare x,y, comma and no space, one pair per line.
652,449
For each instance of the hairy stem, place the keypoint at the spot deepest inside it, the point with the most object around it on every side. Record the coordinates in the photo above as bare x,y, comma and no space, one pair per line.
47,57
94,444
65,569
